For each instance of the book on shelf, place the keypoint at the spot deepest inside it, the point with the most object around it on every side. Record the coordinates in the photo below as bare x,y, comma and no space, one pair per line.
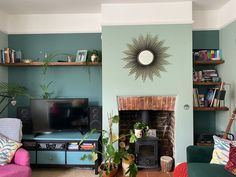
216,96
195,97
205,55
87,146
8,55
201,100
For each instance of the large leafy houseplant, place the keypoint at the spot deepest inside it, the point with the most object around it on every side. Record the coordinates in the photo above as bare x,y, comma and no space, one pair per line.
12,90
9,94
112,156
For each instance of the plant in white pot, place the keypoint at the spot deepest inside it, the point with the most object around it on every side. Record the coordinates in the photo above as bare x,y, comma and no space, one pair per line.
140,129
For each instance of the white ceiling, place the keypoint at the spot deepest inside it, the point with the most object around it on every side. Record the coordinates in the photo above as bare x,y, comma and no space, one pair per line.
86,6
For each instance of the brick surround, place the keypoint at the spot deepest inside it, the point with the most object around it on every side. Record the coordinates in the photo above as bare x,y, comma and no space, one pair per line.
161,112
166,103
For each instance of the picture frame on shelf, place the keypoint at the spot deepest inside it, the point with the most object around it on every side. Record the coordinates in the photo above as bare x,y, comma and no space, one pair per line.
81,55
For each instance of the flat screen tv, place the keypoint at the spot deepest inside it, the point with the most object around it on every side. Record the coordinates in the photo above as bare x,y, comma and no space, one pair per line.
59,114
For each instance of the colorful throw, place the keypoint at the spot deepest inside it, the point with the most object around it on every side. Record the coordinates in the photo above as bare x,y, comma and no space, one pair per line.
8,148
231,164
221,150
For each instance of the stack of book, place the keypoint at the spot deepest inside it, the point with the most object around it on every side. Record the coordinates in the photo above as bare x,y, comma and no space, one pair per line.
87,146
73,146
8,55
205,75
207,55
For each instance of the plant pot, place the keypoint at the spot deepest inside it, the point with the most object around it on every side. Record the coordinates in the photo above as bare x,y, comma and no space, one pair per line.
126,163
138,133
112,173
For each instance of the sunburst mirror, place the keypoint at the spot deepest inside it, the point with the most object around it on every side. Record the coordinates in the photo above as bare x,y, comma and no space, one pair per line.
146,56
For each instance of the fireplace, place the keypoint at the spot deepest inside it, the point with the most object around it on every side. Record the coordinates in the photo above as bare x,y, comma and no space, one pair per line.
158,113
146,152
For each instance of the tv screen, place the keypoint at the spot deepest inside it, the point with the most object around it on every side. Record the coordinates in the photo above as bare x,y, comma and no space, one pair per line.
59,114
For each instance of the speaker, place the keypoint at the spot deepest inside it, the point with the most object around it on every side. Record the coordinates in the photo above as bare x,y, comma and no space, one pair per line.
23,113
95,117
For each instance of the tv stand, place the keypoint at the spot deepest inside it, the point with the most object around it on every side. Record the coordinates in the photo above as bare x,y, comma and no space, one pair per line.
62,149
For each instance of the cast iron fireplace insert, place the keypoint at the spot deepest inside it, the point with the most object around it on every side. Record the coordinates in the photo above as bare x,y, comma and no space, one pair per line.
146,151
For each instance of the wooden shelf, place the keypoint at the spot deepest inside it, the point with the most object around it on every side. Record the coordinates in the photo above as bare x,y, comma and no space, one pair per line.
208,62
53,64
207,83
210,108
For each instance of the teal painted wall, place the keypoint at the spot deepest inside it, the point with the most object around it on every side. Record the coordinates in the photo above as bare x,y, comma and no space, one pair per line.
177,80
68,81
32,44
3,70
206,39
227,71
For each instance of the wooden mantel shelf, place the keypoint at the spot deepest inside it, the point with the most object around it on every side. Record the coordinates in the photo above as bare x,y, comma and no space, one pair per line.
207,83
210,108
208,62
53,64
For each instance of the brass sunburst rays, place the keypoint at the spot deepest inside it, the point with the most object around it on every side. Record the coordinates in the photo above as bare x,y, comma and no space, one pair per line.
143,43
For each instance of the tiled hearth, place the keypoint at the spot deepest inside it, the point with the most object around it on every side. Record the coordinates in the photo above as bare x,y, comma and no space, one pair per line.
161,118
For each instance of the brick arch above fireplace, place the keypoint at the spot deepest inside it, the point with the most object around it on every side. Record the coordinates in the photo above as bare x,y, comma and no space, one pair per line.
164,103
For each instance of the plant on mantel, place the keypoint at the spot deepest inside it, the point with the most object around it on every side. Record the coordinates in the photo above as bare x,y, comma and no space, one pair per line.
112,156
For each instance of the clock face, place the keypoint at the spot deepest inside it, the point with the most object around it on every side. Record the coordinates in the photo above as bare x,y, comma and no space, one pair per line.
146,57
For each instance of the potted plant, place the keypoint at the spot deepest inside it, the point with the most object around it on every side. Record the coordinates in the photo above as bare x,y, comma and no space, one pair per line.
112,156
140,129
11,92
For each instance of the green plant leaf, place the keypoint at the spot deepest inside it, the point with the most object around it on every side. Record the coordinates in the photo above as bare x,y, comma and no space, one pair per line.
132,138
132,170
110,149
115,119
84,157
105,140
13,90
100,173
117,158
94,156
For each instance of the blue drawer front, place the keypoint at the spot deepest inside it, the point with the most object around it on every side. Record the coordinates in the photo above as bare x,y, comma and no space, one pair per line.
32,157
51,157
74,158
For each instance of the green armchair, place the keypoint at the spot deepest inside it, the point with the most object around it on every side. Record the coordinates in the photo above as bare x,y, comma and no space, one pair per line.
198,164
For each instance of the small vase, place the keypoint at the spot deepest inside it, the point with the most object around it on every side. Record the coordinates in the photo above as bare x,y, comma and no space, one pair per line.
138,133
93,57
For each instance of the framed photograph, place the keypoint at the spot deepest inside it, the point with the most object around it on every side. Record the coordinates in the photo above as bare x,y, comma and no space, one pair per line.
81,55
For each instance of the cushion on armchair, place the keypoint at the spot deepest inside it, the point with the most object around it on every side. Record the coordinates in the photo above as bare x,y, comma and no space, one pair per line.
207,170
231,164
199,154
21,157
221,150
8,148
12,128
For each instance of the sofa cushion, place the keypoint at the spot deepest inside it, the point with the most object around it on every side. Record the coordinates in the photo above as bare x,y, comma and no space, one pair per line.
181,170
221,150
12,170
231,164
207,170
8,148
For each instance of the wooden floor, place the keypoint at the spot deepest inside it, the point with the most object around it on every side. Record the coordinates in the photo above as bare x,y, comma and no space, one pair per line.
150,173
78,172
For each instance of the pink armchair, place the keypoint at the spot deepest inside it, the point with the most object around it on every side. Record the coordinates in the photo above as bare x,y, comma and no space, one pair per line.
20,164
